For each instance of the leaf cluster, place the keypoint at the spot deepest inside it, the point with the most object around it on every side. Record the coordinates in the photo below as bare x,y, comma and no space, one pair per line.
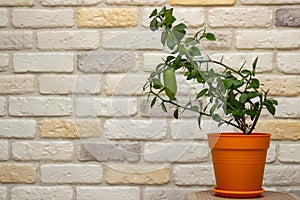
238,93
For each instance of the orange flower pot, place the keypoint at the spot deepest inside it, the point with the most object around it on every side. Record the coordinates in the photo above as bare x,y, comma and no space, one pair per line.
239,163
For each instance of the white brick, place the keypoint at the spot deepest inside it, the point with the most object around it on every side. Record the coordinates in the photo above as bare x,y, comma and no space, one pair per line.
151,60
176,152
107,193
270,1
69,84
3,193
16,40
135,129
136,2
105,107
236,60
131,40
4,60
42,18
4,151
68,40
42,193
268,39
69,2
289,153
13,128
189,130
271,155
174,193
288,107
191,17
16,2
40,106
43,151
16,84
193,175
125,84
282,175
71,173
288,63
43,62
3,17
2,106
240,17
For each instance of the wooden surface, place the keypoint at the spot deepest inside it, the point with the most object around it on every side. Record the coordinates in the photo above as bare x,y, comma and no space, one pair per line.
209,195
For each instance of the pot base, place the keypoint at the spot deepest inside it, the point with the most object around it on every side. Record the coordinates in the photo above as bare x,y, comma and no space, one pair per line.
238,194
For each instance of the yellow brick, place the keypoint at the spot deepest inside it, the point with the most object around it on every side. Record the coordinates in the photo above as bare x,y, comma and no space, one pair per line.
17,173
134,174
201,2
107,17
67,128
281,85
280,129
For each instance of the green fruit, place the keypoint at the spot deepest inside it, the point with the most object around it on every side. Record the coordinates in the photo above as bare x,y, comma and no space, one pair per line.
170,83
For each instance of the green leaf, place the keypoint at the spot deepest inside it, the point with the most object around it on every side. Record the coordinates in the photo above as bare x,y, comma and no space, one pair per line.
273,101
270,107
213,108
180,26
246,72
171,42
154,13
153,102
201,93
195,109
254,83
153,25
243,98
254,64
228,82
164,36
190,41
163,107
252,95
195,51
179,34
210,37
169,58
157,84
175,114
216,117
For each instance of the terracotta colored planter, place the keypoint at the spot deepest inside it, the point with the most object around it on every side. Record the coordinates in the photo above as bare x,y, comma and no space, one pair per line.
239,163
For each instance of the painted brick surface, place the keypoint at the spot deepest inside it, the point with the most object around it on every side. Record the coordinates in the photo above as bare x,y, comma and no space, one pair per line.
42,18
135,129
43,151
2,106
109,62
16,40
193,175
130,174
17,128
289,17
105,193
40,192
109,151
271,155
4,59
16,84
107,17
69,128
17,173
70,84
4,148
3,193
287,108
3,17
223,41
71,173
270,2
43,62
282,175
167,193
201,2
69,2
136,2
105,107
40,106
288,63
68,40
240,17
16,2
288,153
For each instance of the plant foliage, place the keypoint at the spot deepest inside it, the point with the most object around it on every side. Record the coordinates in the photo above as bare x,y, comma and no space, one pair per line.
237,92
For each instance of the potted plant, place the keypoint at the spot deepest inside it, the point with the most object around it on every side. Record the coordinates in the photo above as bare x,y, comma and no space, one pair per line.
238,158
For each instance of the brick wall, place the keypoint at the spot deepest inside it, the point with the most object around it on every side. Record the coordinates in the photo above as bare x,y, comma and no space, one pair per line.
74,123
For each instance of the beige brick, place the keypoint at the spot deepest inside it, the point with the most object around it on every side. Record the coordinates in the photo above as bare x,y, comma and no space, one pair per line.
137,174
4,60
280,129
201,2
42,18
136,2
16,84
16,40
69,2
17,173
69,128
270,2
107,17
281,85
240,17
16,2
